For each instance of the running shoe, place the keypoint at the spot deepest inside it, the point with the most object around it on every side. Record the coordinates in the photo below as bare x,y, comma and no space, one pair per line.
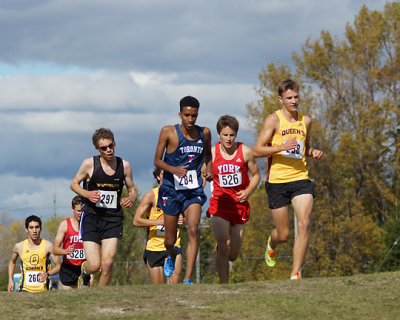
188,281
84,278
269,254
296,276
169,266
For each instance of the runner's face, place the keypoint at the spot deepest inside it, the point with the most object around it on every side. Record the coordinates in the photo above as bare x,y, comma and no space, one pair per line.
189,116
33,230
290,100
77,211
227,137
106,148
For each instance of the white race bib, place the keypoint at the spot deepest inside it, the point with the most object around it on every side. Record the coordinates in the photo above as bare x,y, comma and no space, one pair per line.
32,278
296,153
230,180
160,231
78,254
187,182
108,199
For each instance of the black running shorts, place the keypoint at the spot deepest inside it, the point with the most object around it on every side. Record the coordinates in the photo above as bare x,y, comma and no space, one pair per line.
281,194
96,229
69,274
157,258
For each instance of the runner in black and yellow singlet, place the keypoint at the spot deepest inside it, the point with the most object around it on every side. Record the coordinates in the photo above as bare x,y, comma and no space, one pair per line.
104,177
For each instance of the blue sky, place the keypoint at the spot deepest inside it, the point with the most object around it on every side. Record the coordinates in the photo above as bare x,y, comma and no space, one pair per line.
70,67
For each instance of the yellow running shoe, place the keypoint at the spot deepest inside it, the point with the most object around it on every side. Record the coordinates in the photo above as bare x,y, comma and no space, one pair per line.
269,255
296,276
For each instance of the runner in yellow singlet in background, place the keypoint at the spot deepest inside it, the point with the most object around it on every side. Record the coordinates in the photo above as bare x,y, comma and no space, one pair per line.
150,216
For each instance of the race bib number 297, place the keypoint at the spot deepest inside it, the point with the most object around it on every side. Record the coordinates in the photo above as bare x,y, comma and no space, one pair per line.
108,199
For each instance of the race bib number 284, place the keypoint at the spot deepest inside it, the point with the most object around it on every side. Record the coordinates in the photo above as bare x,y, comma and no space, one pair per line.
187,182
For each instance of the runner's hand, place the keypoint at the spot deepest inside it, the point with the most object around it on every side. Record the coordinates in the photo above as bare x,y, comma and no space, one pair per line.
242,195
42,276
318,154
290,144
10,285
180,220
126,202
180,171
208,175
71,248
93,195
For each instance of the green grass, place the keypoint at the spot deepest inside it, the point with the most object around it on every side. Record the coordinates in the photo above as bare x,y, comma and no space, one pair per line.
375,296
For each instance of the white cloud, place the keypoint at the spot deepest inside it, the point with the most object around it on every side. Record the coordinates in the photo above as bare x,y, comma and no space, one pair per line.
26,195
82,102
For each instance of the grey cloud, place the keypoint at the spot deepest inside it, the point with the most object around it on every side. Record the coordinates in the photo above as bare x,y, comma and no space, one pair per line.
231,39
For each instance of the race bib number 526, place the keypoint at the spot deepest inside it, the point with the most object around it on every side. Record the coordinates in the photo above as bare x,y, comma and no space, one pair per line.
230,180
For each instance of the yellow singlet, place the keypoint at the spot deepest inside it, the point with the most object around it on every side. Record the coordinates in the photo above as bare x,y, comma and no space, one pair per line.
288,166
156,234
33,262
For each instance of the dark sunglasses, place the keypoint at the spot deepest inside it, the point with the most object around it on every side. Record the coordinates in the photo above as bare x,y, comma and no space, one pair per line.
104,148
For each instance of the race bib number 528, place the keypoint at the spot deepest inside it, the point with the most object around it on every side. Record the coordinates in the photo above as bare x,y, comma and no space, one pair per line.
78,254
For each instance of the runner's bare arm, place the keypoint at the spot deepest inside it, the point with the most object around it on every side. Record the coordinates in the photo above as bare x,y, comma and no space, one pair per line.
261,147
128,201
57,264
148,201
84,173
56,261
59,239
207,154
243,195
311,152
11,266
166,135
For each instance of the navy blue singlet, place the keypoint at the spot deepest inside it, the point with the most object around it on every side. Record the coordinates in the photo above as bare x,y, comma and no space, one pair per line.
188,152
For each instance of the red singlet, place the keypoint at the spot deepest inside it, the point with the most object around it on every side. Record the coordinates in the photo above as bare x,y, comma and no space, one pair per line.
72,237
229,177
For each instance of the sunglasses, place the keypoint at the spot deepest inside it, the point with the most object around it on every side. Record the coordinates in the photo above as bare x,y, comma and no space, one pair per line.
104,148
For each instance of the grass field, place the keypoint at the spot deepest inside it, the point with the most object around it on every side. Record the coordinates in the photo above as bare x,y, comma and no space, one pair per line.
375,296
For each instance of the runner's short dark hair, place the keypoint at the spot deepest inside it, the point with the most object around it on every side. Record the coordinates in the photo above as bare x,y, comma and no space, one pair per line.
102,133
189,101
33,218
